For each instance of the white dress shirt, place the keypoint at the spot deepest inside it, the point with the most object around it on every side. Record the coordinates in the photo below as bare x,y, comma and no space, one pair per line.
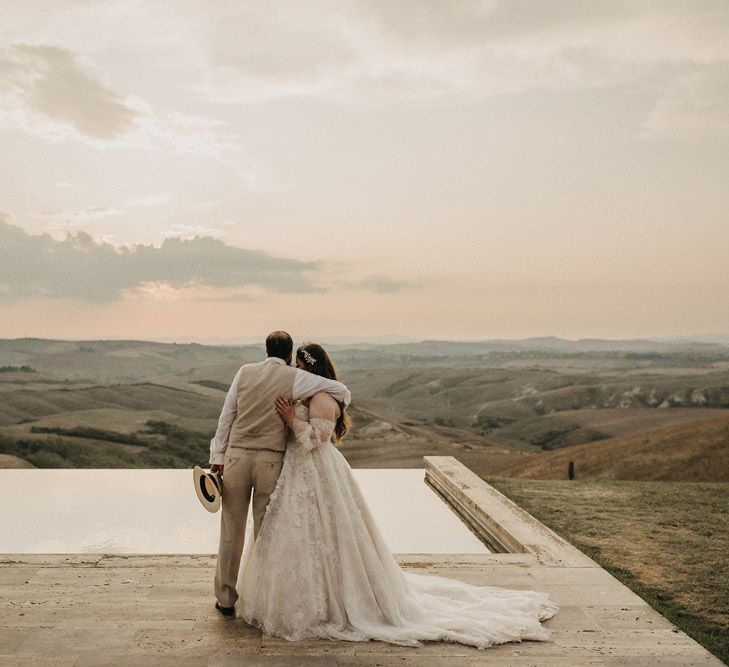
305,384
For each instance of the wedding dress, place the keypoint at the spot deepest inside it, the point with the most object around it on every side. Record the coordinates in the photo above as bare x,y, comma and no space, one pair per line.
320,568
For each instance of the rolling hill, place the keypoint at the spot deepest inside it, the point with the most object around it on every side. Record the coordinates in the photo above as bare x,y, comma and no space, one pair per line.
697,451
496,405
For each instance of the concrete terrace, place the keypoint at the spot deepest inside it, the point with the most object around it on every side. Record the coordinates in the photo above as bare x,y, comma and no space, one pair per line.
140,610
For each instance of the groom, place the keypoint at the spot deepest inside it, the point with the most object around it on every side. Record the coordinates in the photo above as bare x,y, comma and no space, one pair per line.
248,449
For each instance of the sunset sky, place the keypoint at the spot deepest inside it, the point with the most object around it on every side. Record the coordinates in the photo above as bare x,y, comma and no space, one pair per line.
452,169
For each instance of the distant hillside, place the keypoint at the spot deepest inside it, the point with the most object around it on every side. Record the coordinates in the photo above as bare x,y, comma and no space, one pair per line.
490,403
697,451
10,461
545,408
118,360
129,360
552,344
379,443
29,404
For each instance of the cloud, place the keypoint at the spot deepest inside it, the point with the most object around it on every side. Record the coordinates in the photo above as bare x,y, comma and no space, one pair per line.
178,132
694,105
373,52
47,91
71,218
378,51
154,199
380,284
52,82
290,42
84,269
184,231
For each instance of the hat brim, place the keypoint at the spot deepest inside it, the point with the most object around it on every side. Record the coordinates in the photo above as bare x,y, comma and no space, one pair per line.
207,488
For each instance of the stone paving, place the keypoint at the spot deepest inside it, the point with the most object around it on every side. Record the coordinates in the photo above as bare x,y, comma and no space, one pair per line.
158,610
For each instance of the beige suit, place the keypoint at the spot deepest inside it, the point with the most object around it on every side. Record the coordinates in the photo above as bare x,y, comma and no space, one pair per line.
253,461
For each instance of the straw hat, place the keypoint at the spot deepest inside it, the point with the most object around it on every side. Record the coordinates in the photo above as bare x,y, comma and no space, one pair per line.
209,488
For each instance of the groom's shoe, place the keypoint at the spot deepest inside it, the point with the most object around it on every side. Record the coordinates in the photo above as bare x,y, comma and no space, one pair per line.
225,611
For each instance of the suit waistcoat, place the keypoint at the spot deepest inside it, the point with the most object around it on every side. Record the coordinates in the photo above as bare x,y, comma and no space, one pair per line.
257,424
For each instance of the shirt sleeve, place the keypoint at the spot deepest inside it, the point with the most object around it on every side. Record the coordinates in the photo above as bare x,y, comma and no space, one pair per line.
219,443
307,384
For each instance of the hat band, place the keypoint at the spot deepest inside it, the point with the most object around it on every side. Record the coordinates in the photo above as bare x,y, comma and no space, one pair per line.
204,489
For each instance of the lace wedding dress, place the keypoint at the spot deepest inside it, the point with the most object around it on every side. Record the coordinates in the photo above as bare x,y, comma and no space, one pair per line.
320,568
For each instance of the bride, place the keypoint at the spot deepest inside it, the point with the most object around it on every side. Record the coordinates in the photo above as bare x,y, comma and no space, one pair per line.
319,567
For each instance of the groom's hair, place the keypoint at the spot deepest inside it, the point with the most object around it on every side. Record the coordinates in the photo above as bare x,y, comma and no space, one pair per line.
279,344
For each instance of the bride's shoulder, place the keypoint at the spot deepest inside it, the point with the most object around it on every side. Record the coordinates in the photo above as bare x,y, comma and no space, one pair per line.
324,405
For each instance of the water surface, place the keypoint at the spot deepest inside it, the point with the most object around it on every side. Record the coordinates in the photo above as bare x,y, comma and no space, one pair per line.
157,512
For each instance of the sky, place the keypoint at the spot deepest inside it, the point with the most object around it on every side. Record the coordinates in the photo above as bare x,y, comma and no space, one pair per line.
455,170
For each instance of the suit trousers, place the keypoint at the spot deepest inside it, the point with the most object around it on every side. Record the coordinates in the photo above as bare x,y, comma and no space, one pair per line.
245,471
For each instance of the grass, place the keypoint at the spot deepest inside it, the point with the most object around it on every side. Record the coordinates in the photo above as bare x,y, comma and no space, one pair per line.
664,540
212,384
690,452
168,447
93,434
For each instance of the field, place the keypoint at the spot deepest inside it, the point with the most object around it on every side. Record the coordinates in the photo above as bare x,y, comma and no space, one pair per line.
665,540
502,407
694,451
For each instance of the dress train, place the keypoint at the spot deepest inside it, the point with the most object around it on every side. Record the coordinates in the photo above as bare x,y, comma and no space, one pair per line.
321,569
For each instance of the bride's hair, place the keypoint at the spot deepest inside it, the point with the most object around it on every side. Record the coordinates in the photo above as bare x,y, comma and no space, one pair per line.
317,361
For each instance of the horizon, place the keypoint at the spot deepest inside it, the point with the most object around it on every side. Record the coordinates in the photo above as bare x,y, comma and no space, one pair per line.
721,339
468,171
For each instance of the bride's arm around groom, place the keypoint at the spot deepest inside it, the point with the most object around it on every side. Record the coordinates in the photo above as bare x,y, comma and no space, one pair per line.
305,385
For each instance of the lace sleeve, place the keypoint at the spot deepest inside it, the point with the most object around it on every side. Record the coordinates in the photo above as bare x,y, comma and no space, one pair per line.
313,433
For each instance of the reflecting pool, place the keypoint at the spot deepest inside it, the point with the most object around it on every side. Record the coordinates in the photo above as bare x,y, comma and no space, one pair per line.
157,512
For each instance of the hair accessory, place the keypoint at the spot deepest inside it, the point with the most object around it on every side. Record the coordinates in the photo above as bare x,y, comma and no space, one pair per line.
308,358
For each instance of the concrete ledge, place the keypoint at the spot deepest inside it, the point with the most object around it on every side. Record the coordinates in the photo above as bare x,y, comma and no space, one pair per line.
501,524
